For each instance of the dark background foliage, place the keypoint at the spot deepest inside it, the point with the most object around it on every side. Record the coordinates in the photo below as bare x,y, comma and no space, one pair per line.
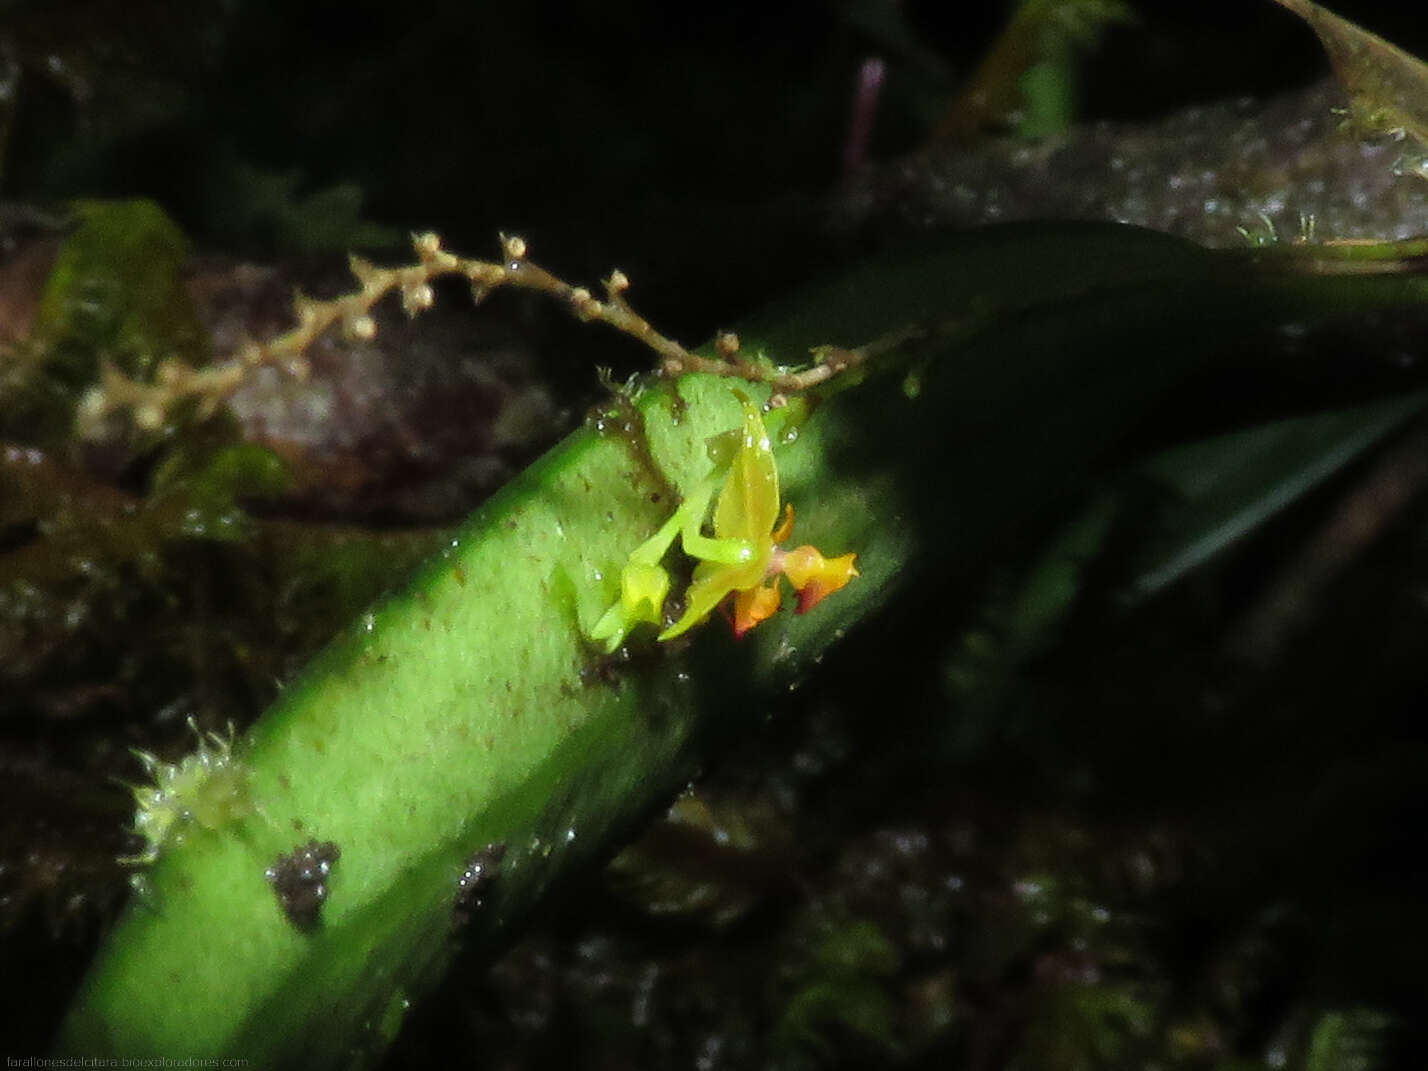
653,136
1107,843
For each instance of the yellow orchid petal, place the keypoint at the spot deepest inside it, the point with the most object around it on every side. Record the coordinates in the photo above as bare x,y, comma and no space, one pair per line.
711,585
815,577
784,530
642,591
748,504
611,628
643,587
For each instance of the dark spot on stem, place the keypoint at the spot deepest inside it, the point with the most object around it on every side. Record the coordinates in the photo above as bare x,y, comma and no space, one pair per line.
678,405
300,881
602,668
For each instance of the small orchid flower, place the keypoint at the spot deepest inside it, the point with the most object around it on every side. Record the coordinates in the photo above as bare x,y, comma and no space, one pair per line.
743,559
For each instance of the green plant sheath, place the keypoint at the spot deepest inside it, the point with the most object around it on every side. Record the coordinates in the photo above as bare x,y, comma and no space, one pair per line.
467,710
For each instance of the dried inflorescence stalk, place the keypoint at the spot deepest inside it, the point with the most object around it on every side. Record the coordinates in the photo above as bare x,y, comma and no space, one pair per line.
785,380
208,388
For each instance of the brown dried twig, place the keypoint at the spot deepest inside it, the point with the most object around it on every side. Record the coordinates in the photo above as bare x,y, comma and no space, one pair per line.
831,361
209,388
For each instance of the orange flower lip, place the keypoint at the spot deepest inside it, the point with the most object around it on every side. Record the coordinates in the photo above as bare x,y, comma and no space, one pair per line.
754,606
812,575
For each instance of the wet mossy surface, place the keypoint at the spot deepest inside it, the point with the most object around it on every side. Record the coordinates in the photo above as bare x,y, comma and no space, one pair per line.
990,834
